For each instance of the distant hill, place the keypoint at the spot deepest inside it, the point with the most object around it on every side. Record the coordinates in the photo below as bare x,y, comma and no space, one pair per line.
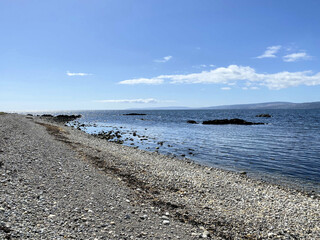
271,105
160,108
267,105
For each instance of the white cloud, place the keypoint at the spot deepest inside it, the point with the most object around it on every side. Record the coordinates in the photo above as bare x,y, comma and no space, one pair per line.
78,74
254,88
296,56
226,88
152,81
203,66
270,52
164,59
240,75
140,100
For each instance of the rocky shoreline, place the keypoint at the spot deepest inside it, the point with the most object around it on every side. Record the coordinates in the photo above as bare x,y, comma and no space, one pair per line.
60,183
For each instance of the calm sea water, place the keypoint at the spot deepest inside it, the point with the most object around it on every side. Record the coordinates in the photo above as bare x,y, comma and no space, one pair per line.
286,150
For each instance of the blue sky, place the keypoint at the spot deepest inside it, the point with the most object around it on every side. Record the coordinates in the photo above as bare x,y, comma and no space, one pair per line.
100,54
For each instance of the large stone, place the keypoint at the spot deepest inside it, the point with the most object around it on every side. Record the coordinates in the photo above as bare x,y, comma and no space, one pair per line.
235,121
265,115
134,114
192,122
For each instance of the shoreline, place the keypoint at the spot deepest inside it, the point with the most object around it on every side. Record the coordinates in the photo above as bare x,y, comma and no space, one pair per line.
309,186
305,187
190,199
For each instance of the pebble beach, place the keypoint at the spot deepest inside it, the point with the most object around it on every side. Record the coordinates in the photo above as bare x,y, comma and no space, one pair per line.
57,182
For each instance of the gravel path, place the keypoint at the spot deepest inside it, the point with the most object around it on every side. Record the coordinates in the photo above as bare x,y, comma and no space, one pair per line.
61,183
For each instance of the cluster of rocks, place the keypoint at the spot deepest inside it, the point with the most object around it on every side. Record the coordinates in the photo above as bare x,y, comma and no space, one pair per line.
111,136
61,118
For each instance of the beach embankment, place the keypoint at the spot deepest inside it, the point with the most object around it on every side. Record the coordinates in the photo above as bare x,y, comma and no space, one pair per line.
61,183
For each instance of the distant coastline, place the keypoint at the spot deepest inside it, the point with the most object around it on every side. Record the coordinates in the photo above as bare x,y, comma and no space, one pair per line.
265,105
271,105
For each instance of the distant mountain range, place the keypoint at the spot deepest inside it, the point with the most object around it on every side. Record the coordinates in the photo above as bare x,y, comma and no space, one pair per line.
270,105
161,108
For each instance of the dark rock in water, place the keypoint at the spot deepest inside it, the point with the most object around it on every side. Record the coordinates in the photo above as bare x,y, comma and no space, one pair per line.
192,122
135,114
235,121
47,115
264,115
61,118
66,118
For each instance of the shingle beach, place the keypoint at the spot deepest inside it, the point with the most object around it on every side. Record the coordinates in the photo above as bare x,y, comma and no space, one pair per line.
57,182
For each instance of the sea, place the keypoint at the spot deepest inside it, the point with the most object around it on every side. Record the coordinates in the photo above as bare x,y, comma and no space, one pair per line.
285,151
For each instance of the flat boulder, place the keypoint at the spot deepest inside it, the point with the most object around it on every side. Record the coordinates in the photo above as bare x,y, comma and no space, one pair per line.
235,121
66,118
61,118
265,115
47,115
192,122
134,114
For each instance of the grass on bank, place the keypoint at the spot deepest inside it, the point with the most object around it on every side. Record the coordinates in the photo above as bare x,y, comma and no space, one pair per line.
2,113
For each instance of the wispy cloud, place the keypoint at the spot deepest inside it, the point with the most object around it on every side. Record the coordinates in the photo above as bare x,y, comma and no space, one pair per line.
293,57
203,66
163,60
270,52
226,88
139,100
250,88
77,74
150,81
244,75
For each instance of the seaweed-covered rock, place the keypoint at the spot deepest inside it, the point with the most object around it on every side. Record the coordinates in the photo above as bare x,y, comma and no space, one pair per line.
66,118
192,122
265,115
235,121
134,114
61,118
47,115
